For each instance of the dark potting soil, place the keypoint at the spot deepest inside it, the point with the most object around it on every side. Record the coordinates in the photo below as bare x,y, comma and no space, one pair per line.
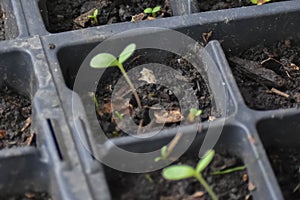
285,163
269,77
62,13
153,186
15,111
28,196
208,5
151,95
2,29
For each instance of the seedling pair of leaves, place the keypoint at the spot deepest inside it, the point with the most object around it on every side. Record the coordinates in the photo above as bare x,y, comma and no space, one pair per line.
179,172
259,2
152,11
193,114
95,16
104,60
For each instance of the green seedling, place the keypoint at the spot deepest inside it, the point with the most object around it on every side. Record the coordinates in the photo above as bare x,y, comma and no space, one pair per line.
152,11
259,2
94,16
227,171
149,178
193,114
93,96
179,172
104,60
119,115
163,154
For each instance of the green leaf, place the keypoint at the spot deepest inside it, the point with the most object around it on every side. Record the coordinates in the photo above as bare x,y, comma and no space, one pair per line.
195,112
164,152
178,172
156,9
198,113
127,52
254,1
148,10
205,160
227,171
157,159
104,60
96,13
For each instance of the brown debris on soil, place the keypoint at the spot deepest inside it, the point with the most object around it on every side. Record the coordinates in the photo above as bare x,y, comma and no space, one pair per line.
269,77
159,104
15,111
72,14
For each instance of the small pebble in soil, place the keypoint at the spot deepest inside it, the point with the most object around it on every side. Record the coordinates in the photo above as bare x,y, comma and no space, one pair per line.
15,111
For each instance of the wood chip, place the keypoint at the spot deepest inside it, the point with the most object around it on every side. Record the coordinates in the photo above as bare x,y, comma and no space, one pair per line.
251,139
171,116
211,118
206,36
251,187
147,76
2,134
245,178
27,124
30,139
29,195
280,93
294,67
173,143
198,194
83,19
138,17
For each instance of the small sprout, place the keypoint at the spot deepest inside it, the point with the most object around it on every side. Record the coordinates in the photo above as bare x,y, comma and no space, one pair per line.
259,2
179,172
115,133
193,114
152,11
104,60
227,171
119,115
149,178
93,96
163,154
94,16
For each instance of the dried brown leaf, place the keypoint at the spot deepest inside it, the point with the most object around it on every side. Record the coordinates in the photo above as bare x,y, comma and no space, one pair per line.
171,116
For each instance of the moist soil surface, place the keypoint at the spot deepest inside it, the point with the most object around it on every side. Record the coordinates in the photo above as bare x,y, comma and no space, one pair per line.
208,5
62,13
153,186
152,95
15,111
2,30
28,196
285,163
269,77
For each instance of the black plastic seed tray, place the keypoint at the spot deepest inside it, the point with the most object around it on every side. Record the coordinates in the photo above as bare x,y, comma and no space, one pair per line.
72,158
